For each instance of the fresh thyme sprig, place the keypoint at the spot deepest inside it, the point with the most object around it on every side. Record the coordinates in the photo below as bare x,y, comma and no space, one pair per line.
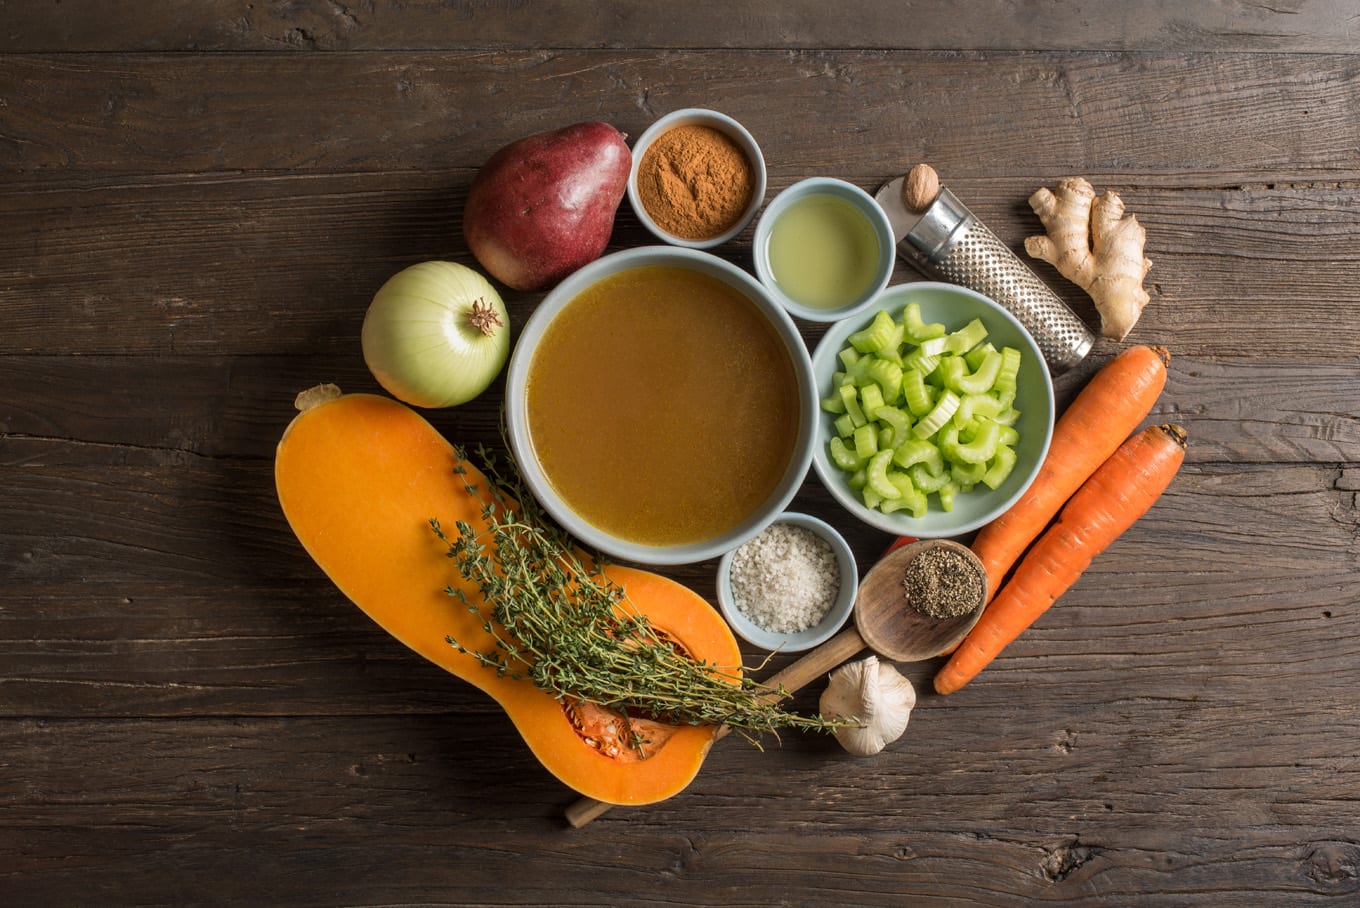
569,629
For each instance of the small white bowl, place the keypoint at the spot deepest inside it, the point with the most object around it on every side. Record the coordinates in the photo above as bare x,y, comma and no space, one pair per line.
698,116
865,204
819,633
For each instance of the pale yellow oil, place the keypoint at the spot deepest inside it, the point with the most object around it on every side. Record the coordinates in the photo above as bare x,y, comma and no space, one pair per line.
823,251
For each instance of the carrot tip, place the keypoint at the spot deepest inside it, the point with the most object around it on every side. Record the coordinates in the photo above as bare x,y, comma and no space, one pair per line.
946,682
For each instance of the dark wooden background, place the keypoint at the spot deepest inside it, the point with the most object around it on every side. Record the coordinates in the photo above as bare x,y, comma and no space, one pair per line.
198,200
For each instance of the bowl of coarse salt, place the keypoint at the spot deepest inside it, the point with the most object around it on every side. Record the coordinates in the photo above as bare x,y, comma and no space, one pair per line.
791,587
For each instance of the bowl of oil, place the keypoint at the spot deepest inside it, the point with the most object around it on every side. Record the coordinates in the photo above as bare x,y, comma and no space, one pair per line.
824,249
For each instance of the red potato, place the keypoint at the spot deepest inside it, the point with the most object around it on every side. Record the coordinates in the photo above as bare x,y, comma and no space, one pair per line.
544,206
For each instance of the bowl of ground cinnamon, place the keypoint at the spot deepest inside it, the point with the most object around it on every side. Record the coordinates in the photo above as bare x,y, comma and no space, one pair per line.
698,178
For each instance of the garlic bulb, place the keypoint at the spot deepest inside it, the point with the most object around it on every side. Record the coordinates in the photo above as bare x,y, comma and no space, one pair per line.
874,693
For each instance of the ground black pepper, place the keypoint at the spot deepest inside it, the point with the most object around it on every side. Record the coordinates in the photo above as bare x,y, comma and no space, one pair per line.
943,583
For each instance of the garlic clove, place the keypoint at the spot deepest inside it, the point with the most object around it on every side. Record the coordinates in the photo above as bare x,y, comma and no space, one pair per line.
877,695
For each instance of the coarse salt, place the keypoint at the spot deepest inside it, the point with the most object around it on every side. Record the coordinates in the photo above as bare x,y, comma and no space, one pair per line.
785,579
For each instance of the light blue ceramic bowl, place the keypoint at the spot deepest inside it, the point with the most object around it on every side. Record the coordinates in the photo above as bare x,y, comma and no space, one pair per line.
955,306
819,633
886,246
521,439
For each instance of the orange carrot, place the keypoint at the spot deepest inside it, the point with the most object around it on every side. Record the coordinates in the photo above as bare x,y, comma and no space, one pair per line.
1119,492
1101,417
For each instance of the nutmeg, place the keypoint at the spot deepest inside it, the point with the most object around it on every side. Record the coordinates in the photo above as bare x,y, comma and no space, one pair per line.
921,186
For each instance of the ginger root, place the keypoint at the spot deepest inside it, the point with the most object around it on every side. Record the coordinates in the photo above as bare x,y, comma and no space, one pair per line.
1093,244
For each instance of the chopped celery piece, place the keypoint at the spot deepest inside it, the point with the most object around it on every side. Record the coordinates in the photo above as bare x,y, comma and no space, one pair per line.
915,328
1007,435
982,378
855,374
951,369
967,474
849,395
918,450
848,357
897,421
888,376
842,456
941,413
975,356
877,473
882,332
870,399
980,449
918,396
973,407
1000,467
845,426
920,361
1006,375
833,404
872,499
957,342
967,337
946,495
858,478
909,497
865,441
926,480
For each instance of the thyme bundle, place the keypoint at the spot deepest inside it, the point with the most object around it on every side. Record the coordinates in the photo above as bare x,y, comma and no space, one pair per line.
570,630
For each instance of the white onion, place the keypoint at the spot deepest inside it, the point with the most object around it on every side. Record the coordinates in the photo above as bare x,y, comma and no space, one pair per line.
436,334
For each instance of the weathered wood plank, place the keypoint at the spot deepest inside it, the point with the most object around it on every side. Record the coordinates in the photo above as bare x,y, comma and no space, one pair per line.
227,268
1310,26
379,810
163,412
841,112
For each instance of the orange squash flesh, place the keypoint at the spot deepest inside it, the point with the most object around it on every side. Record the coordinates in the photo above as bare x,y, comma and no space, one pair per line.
359,477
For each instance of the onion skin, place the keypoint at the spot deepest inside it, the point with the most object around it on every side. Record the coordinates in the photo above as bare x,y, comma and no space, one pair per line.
420,341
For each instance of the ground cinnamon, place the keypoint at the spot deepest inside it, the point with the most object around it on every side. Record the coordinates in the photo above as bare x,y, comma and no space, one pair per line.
695,182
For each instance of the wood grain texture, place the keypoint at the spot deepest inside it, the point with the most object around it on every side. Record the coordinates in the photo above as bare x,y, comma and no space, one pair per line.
1301,26
197,203
1285,118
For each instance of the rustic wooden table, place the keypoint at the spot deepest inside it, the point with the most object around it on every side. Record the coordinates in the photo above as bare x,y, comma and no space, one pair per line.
199,200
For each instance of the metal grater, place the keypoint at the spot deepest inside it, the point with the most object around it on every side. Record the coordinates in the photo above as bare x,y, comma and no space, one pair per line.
948,242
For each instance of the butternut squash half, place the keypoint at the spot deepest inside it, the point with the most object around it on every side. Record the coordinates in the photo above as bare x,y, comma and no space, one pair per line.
359,478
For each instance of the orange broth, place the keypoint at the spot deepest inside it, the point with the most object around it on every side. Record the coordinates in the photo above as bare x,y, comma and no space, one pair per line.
662,406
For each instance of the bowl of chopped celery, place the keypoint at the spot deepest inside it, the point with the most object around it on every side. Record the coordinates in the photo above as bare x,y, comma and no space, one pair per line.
936,411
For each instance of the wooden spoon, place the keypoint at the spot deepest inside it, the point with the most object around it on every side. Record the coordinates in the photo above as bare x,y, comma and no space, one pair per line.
884,622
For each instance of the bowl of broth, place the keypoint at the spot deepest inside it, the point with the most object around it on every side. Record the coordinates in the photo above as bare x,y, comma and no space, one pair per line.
661,406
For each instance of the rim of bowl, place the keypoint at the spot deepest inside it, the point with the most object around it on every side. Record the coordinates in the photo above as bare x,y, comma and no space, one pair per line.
521,442
878,218
835,617
832,477
699,116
